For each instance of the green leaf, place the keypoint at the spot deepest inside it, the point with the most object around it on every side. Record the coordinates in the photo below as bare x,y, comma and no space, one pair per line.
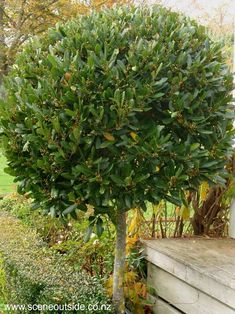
142,177
54,61
35,206
158,95
205,131
76,133
82,207
161,81
74,215
159,68
173,200
99,227
56,124
71,113
82,169
105,144
70,209
53,211
194,146
209,164
183,199
88,233
128,201
71,197
143,206
54,193
117,180
9,171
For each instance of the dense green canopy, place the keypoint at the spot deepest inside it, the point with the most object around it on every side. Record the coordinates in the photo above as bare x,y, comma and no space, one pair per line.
116,108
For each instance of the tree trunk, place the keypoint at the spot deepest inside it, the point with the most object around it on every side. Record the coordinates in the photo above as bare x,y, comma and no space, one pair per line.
3,59
119,264
205,215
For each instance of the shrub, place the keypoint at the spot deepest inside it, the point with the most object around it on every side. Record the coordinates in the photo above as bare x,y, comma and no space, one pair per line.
66,236
49,228
18,205
34,275
2,281
95,256
122,102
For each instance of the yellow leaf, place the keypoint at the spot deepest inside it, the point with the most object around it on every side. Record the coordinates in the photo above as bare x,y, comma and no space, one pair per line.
130,276
177,210
126,291
132,226
185,213
132,295
130,242
109,286
109,136
203,190
134,136
138,287
136,222
133,223
158,207
157,169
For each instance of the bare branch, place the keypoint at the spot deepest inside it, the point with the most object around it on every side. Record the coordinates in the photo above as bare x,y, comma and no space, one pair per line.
7,16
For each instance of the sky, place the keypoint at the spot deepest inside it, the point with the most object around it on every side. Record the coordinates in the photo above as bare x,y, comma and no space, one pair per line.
194,8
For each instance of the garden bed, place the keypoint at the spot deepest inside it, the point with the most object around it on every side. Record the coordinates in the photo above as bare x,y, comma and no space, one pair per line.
31,273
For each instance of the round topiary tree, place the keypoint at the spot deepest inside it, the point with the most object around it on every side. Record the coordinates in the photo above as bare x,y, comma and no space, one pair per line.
114,109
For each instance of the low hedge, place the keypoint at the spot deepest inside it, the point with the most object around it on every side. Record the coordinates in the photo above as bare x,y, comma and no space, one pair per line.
36,275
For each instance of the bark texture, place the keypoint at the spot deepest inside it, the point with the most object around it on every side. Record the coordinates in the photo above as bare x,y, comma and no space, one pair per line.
2,42
206,215
119,264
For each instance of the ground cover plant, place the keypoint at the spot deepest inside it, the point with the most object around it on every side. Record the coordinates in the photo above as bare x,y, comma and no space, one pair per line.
31,273
114,109
67,236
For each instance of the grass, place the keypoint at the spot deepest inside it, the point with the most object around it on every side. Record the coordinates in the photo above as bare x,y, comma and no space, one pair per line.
6,181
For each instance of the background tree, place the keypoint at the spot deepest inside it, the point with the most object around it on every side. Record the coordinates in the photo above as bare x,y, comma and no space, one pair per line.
220,24
115,109
21,19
